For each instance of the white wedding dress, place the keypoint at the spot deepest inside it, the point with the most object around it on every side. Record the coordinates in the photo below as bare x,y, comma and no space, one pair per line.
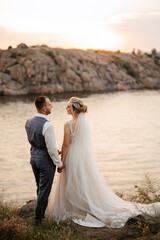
82,195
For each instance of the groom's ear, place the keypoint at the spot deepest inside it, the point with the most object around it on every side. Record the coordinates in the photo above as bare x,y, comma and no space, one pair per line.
44,108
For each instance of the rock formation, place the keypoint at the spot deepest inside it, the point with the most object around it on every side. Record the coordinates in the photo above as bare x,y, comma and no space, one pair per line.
43,70
28,209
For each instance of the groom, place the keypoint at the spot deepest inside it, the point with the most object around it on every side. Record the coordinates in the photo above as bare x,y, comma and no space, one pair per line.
44,154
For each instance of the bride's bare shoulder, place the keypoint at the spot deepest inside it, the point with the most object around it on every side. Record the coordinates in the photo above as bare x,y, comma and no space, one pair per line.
66,126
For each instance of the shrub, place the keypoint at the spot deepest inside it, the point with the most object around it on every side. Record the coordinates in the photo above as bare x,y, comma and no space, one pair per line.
50,54
146,192
14,55
154,51
130,68
157,60
7,71
14,228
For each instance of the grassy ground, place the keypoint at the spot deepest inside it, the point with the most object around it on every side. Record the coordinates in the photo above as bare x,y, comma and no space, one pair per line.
15,227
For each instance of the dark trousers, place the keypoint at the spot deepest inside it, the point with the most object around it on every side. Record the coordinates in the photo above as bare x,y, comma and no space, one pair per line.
44,171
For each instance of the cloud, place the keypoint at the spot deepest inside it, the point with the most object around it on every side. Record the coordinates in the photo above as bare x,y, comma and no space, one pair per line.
137,30
118,19
123,17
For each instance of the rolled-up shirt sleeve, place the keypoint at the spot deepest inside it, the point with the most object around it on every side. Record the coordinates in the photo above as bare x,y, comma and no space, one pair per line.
48,133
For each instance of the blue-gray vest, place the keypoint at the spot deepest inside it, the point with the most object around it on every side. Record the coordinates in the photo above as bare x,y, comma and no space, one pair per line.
34,128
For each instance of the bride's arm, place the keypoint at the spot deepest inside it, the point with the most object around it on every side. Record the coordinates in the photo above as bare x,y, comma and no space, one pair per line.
65,145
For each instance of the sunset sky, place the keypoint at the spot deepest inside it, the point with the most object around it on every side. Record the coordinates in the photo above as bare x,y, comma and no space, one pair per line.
96,24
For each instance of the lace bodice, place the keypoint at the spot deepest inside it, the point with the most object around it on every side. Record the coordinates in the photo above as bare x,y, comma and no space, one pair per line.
71,131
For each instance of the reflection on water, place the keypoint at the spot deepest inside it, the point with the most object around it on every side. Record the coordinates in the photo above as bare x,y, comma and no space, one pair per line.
125,131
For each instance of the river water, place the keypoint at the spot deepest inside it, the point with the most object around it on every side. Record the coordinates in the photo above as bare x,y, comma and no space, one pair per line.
125,128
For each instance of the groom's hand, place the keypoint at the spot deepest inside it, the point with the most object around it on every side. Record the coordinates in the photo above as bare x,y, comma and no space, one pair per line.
59,152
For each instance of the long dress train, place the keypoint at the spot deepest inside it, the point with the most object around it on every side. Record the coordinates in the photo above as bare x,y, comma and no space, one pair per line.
82,195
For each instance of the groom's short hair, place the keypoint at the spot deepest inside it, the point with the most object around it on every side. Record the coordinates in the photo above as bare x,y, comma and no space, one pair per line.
40,102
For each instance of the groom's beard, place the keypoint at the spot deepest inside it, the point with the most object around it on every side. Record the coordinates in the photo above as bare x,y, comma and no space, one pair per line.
48,111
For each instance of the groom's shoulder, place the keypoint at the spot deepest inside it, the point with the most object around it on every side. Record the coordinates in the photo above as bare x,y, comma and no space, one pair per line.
29,119
37,120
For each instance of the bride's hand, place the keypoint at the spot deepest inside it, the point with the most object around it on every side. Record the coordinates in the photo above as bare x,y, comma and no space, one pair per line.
59,170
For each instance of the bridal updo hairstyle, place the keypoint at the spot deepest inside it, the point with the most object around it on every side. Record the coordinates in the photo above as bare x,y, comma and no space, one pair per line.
78,105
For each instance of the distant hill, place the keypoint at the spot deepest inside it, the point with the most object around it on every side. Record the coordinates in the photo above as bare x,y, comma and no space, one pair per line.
41,69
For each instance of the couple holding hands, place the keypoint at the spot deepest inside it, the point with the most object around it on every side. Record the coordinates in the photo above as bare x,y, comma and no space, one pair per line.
80,193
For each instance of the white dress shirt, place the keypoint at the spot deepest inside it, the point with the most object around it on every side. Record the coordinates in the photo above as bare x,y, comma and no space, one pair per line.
48,133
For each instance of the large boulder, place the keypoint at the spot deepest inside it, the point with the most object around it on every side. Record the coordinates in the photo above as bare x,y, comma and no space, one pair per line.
29,209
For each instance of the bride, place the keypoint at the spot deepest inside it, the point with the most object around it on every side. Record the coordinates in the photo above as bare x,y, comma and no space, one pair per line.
80,193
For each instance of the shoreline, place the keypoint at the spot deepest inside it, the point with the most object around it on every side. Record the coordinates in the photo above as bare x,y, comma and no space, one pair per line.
65,96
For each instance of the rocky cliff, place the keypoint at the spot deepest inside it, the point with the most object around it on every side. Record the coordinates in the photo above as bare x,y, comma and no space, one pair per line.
40,69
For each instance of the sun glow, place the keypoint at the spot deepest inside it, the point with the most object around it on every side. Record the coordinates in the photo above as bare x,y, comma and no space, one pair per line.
74,24
96,36
93,36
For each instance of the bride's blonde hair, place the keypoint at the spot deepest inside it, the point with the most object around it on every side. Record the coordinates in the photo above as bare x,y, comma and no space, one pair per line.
78,105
